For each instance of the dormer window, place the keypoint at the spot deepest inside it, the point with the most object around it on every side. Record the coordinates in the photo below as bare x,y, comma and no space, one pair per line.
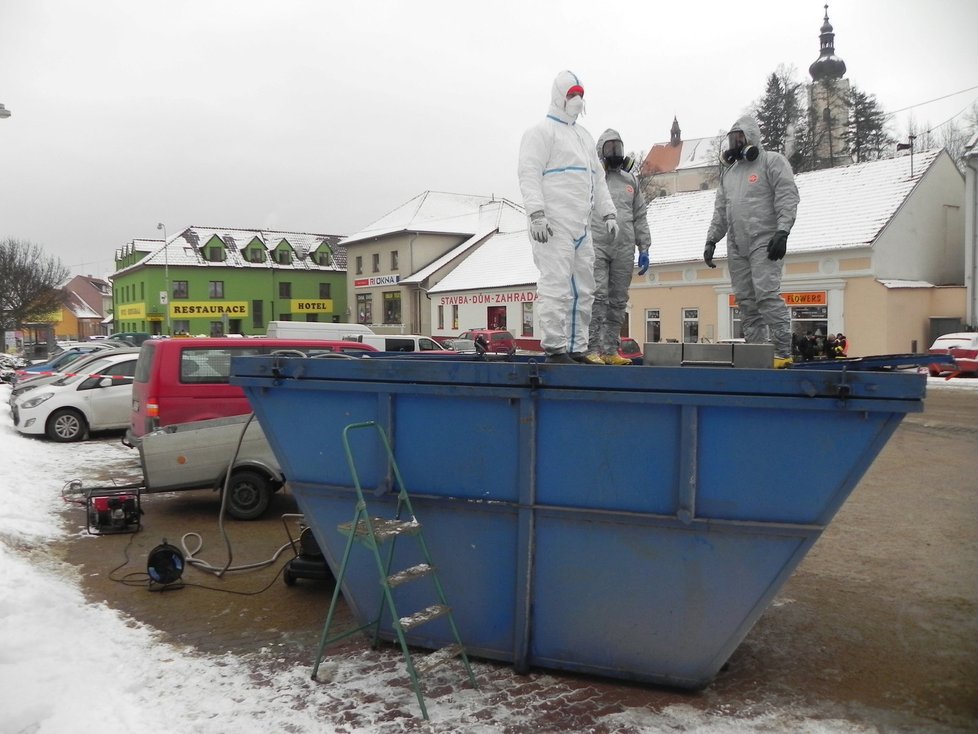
283,257
215,254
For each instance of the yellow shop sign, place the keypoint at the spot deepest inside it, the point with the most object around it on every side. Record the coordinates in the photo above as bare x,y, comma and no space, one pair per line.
132,311
311,305
209,309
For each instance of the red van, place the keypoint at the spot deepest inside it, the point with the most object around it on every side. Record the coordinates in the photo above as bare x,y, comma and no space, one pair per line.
184,380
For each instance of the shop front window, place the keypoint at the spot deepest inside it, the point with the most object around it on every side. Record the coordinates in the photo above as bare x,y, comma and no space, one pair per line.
528,318
365,309
392,307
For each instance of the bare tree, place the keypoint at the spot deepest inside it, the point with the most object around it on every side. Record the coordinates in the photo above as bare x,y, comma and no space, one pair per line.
954,136
30,284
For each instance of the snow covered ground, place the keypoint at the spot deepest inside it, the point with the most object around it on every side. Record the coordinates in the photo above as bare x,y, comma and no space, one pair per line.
68,666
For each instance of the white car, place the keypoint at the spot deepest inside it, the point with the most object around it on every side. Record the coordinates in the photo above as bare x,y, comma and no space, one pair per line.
98,399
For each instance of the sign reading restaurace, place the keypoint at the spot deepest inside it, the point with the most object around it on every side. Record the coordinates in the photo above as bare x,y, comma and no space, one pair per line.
376,280
203,309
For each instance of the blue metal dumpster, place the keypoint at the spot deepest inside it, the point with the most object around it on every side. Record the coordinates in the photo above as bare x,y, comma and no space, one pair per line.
627,522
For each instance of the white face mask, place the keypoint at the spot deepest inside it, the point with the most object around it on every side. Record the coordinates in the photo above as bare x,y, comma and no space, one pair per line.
574,106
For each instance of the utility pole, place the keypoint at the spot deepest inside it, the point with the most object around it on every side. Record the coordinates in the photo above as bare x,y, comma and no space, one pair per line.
165,296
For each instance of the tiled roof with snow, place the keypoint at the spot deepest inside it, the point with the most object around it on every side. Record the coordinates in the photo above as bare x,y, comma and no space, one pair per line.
80,309
440,212
503,261
840,208
666,157
186,248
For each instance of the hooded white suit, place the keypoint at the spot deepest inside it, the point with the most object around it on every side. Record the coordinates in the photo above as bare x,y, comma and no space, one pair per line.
754,200
560,175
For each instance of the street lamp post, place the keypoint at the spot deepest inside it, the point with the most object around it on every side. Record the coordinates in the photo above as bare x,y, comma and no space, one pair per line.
166,277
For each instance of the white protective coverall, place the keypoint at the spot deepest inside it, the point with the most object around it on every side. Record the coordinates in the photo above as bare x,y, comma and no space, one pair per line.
753,201
560,174
615,258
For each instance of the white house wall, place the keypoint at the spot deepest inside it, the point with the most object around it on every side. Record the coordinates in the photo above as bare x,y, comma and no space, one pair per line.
924,239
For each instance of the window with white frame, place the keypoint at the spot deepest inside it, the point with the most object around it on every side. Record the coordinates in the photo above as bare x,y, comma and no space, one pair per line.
653,325
691,325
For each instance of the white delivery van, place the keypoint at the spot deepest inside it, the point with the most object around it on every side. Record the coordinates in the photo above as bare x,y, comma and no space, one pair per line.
401,343
315,330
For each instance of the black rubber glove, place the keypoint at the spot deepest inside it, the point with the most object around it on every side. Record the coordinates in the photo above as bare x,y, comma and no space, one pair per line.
778,245
708,253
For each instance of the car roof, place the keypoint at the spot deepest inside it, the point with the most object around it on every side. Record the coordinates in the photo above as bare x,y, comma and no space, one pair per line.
961,336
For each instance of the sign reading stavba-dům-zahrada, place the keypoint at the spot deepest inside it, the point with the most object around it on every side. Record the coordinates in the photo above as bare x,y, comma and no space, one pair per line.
204,309
477,298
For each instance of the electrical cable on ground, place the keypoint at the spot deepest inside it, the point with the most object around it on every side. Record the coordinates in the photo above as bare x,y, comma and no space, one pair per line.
205,566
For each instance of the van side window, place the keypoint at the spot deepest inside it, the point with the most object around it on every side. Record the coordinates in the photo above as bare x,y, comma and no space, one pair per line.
209,365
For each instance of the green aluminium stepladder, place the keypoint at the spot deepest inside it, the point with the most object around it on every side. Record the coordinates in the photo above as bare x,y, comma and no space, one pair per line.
374,532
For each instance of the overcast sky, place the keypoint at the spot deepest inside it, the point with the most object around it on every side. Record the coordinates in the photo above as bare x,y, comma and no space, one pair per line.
317,116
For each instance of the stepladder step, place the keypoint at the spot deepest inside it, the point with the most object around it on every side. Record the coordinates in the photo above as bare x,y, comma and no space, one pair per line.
425,615
409,574
437,659
384,529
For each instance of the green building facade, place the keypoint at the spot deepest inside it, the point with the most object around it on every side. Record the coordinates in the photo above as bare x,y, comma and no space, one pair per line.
228,281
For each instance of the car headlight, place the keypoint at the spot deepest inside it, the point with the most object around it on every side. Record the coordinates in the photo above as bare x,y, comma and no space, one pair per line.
34,402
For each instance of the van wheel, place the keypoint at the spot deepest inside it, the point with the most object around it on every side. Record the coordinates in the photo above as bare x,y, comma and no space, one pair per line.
249,494
66,425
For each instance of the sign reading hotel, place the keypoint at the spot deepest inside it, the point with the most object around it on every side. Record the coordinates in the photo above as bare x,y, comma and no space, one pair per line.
811,298
376,280
490,298
206,309
132,311
311,305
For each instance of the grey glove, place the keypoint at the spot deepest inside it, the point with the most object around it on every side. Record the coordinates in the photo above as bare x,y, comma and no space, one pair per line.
540,227
708,253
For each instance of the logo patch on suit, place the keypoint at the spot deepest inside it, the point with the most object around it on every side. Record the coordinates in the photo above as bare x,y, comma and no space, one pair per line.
629,189
752,178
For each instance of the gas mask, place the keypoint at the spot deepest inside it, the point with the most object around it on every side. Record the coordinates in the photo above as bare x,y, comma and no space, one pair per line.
574,106
739,149
613,154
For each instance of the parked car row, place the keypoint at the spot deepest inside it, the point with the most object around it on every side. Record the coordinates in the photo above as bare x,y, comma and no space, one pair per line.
89,387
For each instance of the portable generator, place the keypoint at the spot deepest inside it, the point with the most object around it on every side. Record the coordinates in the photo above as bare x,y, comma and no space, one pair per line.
113,510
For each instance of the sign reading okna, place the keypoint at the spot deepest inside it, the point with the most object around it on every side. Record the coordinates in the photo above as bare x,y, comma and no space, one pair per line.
209,309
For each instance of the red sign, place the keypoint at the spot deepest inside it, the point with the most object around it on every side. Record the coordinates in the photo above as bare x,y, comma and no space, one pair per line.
810,298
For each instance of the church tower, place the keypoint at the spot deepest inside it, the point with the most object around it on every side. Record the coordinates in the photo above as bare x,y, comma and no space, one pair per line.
675,134
828,103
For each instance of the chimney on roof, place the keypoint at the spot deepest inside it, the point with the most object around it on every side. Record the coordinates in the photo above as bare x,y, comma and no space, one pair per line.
675,134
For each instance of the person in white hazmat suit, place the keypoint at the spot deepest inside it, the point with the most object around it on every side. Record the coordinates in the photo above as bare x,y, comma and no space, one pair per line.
755,207
614,256
561,180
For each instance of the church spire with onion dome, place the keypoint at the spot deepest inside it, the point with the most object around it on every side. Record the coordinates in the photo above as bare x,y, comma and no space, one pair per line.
827,65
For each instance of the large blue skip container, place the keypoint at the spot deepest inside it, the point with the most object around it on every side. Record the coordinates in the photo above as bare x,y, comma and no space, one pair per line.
628,522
